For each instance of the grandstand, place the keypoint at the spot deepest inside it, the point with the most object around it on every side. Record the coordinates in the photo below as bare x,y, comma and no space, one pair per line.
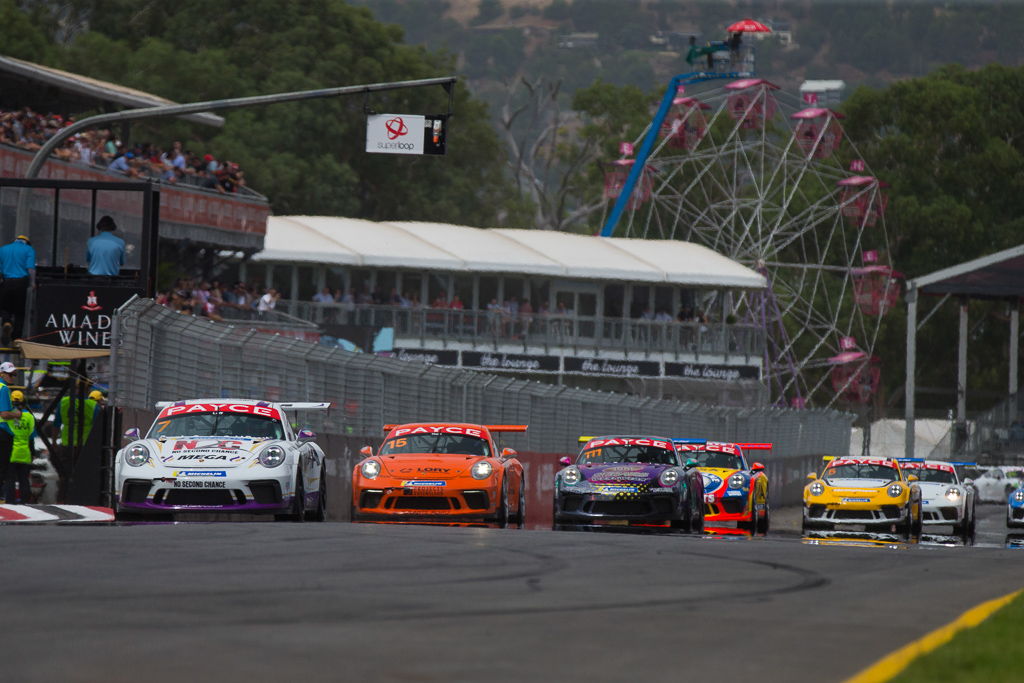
645,316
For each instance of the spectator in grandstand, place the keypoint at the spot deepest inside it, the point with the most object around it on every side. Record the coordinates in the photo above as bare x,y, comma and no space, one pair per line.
105,250
18,267
268,301
324,296
441,300
526,316
456,303
122,164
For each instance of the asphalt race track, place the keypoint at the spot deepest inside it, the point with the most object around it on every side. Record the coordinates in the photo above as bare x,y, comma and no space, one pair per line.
381,602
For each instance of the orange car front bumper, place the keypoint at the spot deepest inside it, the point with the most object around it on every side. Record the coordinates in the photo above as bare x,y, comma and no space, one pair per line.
384,498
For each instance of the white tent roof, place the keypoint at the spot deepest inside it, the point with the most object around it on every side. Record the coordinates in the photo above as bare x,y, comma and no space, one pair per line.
438,246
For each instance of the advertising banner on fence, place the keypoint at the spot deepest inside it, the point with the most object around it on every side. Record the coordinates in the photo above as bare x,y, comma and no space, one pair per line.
729,373
77,315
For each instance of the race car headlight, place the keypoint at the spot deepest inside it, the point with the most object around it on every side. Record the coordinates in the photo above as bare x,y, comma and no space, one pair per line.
953,493
370,469
136,455
1019,495
895,490
817,488
737,481
571,476
481,470
669,478
272,456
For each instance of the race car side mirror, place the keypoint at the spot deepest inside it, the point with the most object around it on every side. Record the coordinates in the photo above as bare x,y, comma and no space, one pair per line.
968,482
757,467
132,433
508,453
565,461
912,477
306,435
366,450
690,464
812,475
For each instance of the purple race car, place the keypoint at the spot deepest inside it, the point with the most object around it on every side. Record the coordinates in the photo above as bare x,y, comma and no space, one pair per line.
636,480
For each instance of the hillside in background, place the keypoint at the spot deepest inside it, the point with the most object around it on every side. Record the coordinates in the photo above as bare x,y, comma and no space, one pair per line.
642,43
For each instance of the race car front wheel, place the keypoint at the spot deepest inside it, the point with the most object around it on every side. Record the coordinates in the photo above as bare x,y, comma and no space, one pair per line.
298,511
319,513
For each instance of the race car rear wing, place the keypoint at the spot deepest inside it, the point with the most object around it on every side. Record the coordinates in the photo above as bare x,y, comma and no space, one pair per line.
744,446
492,428
218,401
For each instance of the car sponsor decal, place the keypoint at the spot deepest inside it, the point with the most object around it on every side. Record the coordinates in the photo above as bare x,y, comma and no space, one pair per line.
638,473
200,473
201,484
421,482
611,489
862,461
941,466
216,445
715,446
596,443
856,500
243,408
437,429
712,482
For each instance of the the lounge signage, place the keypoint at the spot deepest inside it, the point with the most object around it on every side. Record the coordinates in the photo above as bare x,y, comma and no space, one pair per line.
515,362
509,361
617,368
428,356
729,373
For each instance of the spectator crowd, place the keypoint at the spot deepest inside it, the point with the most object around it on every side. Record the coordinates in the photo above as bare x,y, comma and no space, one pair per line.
102,149
217,301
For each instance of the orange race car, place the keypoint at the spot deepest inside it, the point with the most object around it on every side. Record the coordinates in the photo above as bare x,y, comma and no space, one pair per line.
443,471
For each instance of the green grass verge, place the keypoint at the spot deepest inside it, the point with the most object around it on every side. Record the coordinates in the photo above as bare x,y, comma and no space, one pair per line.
991,651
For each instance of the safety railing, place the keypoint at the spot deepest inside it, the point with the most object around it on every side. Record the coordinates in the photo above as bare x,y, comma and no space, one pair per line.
533,329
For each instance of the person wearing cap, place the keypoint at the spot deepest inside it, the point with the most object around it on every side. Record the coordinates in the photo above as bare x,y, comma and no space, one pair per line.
122,163
7,412
22,450
18,267
105,250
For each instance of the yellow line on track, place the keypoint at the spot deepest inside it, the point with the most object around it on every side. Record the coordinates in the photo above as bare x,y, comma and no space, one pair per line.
889,666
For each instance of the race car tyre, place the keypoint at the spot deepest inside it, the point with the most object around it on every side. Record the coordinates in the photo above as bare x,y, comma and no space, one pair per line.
697,522
501,515
298,512
521,509
919,524
319,513
905,528
765,521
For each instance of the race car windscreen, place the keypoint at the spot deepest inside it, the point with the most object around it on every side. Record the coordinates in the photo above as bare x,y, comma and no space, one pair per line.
725,461
604,455
861,471
450,444
217,424
935,476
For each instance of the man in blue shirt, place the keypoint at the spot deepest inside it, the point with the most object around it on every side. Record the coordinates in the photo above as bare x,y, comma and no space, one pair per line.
18,267
105,250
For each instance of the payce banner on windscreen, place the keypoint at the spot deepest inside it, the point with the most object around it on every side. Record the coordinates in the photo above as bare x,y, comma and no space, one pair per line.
405,134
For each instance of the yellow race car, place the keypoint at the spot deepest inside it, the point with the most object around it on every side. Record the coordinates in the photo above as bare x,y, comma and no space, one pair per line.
869,491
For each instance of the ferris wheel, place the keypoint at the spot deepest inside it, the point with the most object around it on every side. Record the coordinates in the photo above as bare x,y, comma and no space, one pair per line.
770,181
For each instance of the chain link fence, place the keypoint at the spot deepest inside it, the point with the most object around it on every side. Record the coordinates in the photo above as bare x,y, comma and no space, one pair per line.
161,355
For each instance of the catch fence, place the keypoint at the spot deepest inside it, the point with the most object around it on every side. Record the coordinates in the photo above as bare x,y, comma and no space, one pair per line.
161,355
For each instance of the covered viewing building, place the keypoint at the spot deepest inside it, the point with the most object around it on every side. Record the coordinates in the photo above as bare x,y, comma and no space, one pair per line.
656,315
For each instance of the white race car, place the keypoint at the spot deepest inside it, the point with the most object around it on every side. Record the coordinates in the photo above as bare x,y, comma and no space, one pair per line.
222,455
945,499
996,483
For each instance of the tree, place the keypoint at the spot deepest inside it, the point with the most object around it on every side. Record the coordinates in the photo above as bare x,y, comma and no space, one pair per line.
554,155
952,147
307,156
